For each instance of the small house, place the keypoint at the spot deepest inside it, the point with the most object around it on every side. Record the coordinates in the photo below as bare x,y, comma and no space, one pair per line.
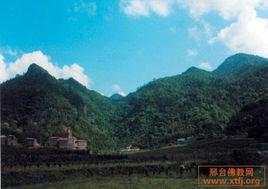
181,140
63,143
81,144
130,148
68,141
53,141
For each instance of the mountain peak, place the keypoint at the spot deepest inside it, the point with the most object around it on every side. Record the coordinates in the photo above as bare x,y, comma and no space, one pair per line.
244,59
239,63
194,70
34,69
116,96
36,73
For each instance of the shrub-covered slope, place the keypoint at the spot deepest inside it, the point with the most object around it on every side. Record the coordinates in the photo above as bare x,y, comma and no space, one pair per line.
38,105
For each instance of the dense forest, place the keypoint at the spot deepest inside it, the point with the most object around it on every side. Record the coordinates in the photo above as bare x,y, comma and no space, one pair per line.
37,105
251,120
196,102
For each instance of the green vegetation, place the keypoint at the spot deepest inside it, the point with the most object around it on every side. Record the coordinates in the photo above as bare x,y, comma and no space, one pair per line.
151,166
195,102
251,120
37,105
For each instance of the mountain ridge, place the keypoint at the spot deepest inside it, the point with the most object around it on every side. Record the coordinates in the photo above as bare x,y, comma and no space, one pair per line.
189,103
239,63
195,102
38,105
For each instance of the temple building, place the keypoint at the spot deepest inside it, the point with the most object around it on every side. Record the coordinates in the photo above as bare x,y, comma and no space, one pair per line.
67,141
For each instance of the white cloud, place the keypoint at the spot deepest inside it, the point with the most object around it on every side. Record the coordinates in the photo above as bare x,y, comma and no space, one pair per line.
225,8
146,7
8,51
205,65
249,34
117,89
192,52
21,64
3,74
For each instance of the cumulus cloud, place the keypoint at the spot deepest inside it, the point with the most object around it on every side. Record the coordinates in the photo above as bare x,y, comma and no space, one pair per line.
3,74
21,64
146,7
9,51
249,34
205,65
226,8
117,89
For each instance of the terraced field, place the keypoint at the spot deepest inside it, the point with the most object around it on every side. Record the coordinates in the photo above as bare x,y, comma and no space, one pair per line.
159,168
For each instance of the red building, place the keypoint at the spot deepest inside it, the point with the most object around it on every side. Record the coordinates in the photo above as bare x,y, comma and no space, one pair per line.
67,141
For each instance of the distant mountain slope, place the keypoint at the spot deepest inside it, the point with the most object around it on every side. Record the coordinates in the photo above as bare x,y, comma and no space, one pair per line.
251,120
116,97
194,102
239,64
37,105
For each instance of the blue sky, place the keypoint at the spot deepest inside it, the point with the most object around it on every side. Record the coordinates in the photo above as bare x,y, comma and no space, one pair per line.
119,45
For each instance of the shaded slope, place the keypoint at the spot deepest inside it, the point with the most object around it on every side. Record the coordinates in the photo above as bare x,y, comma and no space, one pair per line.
37,105
251,120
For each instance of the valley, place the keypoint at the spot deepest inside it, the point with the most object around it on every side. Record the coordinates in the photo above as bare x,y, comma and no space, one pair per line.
157,134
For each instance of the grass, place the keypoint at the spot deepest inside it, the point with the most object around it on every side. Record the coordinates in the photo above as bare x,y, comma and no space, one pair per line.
128,182
123,182
84,166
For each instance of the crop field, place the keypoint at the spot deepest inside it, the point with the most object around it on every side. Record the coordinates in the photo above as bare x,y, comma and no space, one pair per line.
169,167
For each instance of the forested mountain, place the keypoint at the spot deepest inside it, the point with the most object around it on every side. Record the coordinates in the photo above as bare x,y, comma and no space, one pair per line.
116,97
251,120
38,105
192,103
239,64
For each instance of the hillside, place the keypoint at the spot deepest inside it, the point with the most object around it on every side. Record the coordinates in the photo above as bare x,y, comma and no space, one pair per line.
38,105
196,102
239,64
251,120
116,97
192,103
